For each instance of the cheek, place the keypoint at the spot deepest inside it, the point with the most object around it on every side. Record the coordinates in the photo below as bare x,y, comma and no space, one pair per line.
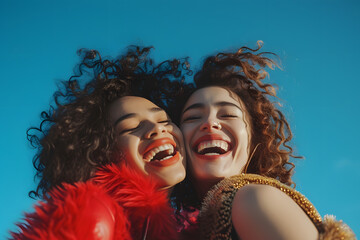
128,149
122,143
243,141
187,138
187,131
176,132
243,135
241,130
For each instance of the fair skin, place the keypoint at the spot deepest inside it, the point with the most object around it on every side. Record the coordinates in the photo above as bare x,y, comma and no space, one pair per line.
217,136
148,140
264,212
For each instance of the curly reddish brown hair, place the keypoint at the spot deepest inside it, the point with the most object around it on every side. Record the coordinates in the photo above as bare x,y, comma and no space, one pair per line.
243,72
75,137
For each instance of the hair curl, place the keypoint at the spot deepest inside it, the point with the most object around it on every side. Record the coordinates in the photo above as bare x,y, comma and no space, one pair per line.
243,73
75,136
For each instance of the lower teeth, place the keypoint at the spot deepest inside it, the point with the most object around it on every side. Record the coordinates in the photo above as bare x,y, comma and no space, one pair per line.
212,154
165,158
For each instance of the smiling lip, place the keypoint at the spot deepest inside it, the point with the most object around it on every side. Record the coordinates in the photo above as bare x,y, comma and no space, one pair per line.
210,137
167,162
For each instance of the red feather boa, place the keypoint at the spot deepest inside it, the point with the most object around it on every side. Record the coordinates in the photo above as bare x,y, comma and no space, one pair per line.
141,198
115,204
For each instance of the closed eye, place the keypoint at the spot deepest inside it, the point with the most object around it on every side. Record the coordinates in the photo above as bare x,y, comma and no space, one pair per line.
229,116
187,119
128,130
167,121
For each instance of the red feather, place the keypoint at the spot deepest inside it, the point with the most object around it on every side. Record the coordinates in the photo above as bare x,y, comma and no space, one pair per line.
141,198
116,204
76,212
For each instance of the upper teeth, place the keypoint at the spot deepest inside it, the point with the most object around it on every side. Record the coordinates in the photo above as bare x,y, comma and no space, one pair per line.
213,143
151,154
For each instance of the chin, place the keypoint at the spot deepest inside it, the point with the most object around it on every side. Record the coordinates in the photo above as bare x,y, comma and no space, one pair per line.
171,180
178,178
208,176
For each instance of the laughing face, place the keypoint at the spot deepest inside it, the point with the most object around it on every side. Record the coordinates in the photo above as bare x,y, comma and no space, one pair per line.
216,130
148,140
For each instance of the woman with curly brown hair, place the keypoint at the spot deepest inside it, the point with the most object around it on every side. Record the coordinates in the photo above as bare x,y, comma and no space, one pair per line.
238,151
78,134
98,126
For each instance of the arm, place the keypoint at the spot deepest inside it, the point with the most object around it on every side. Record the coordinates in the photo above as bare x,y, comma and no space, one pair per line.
265,212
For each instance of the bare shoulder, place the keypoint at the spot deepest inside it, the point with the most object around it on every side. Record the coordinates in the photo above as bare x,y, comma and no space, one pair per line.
265,212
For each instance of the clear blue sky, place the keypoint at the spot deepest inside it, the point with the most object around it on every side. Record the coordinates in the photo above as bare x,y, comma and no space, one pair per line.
317,41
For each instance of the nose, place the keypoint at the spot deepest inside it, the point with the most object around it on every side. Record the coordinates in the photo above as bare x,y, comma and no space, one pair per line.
155,129
210,124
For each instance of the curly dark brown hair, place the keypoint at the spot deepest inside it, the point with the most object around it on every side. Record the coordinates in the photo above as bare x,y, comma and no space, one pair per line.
75,137
243,72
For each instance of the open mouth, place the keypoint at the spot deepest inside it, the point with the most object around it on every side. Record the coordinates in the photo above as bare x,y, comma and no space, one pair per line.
212,147
160,153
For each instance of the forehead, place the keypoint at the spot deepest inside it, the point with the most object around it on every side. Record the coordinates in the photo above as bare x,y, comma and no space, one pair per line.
130,105
209,95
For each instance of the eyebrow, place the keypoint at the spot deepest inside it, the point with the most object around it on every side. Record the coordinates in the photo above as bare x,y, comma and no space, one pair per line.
130,115
218,104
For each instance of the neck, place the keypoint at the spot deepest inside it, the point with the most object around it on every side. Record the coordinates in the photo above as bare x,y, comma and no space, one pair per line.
202,186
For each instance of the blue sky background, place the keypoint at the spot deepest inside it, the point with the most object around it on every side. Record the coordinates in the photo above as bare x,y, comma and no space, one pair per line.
317,41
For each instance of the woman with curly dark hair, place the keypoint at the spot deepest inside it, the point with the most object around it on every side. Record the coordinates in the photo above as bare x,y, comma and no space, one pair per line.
239,156
117,118
77,135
